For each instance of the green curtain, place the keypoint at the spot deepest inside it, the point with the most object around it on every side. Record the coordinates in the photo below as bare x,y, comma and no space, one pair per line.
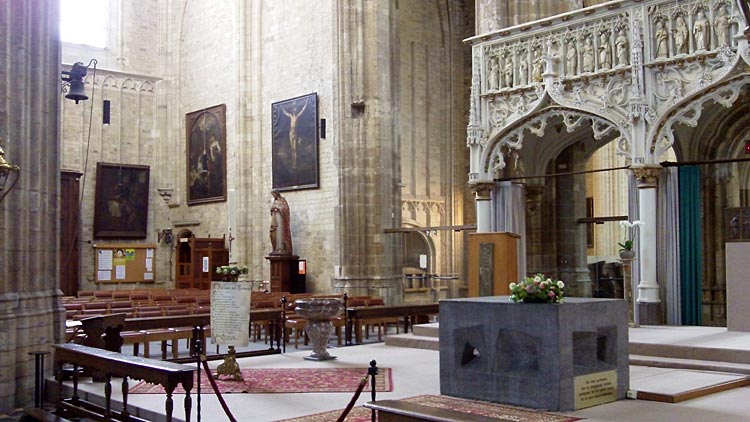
691,265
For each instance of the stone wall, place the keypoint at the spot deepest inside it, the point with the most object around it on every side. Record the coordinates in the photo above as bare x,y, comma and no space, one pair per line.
126,74
408,68
431,126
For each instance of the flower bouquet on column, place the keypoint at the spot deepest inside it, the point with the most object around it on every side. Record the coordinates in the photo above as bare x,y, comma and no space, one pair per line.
626,247
231,272
538,289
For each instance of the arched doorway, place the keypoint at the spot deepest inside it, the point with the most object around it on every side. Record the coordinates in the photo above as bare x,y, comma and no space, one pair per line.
418,266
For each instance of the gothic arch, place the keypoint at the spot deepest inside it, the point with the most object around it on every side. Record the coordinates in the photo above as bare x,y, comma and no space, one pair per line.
511,139
689,110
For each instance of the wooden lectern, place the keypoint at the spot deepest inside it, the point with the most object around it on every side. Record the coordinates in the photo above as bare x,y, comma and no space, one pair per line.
493,263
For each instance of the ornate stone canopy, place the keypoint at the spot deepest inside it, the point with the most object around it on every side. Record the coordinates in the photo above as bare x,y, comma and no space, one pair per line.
629,70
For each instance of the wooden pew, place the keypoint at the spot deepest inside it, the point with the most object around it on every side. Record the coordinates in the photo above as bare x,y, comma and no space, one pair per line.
355,315
114,364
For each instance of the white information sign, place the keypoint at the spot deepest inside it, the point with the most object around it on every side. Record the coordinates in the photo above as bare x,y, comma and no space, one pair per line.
230,312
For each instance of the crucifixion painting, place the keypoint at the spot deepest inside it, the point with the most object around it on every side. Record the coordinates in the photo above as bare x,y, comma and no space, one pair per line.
295,143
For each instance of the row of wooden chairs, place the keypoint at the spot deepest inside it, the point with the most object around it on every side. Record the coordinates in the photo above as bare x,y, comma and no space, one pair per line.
77,310
295,324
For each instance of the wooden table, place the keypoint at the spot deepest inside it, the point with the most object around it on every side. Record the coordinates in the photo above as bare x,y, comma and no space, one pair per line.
167,374
356,314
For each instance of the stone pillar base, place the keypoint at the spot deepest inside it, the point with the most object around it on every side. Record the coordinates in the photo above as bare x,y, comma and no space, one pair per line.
649,313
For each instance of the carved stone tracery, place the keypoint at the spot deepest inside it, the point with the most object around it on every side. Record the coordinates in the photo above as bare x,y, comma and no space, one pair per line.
597,62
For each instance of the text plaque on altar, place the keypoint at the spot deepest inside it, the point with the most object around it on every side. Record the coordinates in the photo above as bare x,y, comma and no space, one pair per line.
595,389
230,312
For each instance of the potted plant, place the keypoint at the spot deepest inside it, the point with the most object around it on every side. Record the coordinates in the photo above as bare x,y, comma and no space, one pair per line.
537,289
626,247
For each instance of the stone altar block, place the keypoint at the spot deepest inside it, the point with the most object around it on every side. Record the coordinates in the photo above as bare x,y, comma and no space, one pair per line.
536,355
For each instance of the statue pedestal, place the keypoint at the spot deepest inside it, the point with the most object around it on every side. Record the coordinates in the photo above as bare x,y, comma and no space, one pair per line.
283,270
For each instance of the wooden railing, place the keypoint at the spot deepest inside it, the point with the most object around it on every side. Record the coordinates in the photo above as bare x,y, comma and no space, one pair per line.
114,364
411,313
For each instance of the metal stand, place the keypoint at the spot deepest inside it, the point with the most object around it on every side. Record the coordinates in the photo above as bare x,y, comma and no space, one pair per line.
38,378
197,336
372,371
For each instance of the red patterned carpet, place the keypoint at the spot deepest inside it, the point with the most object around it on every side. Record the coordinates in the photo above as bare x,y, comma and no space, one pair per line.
497,411
285,380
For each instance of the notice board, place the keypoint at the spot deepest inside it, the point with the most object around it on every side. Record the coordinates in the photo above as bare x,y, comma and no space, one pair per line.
125,263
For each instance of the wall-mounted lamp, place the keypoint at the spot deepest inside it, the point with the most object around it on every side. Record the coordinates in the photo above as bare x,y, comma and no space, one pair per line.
165,236
72,85
6,169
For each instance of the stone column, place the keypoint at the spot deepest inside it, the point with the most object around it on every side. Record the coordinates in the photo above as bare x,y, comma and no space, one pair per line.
482,191
649,304
367,261
31,315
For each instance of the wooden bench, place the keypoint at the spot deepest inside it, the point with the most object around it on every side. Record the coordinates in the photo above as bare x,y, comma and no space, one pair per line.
114,364
355,316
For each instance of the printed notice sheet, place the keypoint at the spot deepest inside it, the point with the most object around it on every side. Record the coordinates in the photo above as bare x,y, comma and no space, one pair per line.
104,275
230,312
105,260
120,272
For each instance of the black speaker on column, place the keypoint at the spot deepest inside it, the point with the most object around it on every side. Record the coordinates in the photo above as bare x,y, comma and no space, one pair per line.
105,112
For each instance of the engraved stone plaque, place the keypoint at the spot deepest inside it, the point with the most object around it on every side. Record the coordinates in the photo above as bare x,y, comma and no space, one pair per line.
486,251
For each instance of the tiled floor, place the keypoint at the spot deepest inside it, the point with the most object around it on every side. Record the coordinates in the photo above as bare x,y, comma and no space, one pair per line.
416,372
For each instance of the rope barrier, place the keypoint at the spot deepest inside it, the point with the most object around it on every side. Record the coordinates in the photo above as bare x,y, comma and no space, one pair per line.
211,380
371,372
349,406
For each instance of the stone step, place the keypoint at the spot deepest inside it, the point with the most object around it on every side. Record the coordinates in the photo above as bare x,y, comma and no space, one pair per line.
413,341
427,330
693,364
690,352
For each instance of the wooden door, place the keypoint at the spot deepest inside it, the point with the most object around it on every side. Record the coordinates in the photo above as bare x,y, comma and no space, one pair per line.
70,215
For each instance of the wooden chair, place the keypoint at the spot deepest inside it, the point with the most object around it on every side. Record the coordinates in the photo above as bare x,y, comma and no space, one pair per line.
102,294
264,326
381,323
86,294
161,299
102,306
140,298
121,295
294,323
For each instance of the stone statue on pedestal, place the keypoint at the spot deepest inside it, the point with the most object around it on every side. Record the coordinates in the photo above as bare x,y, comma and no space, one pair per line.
281,234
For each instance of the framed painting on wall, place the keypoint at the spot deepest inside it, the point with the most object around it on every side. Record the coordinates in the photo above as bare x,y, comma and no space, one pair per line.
294,150
121,201
206,155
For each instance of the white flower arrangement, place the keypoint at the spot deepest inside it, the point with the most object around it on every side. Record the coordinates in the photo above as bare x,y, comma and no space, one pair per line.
232,271
631,228
539,288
